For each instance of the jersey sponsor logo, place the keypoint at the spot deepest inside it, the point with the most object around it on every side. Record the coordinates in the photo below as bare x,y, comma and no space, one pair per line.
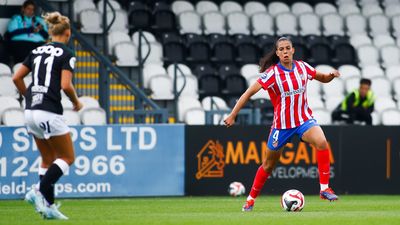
49,49
39,89
294,92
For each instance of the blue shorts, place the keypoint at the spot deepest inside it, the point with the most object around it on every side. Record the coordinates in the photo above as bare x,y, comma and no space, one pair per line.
279,137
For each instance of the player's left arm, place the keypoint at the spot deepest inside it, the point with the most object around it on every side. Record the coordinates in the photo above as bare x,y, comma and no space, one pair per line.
326,78
18,78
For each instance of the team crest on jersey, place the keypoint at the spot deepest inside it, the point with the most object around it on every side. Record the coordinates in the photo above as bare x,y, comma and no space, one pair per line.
72,62
275,143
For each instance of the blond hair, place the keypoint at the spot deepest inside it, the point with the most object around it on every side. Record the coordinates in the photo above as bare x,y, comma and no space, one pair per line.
57,23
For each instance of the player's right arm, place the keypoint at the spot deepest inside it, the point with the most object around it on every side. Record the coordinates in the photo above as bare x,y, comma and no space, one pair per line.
230,120
18,78
69,90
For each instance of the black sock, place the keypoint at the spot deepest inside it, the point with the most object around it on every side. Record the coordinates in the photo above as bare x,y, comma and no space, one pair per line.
47,183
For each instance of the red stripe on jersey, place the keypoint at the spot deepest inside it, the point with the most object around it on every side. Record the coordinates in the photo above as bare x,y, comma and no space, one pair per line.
296,98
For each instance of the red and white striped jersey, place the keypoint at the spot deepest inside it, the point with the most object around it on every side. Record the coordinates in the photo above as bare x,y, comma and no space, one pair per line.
288,92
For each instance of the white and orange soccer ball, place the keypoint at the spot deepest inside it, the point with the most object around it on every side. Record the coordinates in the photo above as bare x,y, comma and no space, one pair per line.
236,189
292,201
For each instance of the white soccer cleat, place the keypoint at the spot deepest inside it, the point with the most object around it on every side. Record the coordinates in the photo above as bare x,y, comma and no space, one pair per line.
35,198
52,213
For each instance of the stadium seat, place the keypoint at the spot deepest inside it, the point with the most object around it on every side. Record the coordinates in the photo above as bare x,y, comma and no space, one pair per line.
358,40
323,68
186,103
182,70
215,103
371,71
286,23
203,7
126,54
349,71
179,7
392,10
331,102
276,8
7,87
392,72
262,23
13,117
314,88
5,70
261,94
234,85
344,54
322,116
333,88
66,103
249,70
8,102
139,16
79,6
367,55
190,22
151,70
247,53
299,8
352,83
204,69
161,87
227,7
120,22
91,21
214,22
301,52
390,55
210,85
396,88
376,119
323,8
378,25
164,18
381,87
253,7
371,9
93,116
384,103
309,24
187,86
320,54
114,4
228,70
71,117
145,36
174,52
223,52
347,9
391,117
396,26
356,24
195,116
383,39
332,24
238,23
315,102
115,38
198,52
155,53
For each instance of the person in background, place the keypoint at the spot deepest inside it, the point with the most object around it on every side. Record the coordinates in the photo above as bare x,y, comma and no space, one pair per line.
357,106
25,32
286,81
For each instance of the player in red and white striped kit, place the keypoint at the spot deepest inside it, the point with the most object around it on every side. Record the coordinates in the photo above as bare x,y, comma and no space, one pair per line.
286,81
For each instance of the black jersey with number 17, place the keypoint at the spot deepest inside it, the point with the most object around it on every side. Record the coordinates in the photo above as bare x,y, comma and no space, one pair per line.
46,63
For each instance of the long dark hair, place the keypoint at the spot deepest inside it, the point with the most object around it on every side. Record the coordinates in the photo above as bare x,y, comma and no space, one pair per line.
271,58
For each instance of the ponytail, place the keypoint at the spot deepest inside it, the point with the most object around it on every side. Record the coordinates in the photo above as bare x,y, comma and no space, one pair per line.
271,58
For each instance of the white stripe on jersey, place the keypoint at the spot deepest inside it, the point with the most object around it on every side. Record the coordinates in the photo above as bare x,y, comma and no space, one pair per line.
300,100
309,67
290,85
283,103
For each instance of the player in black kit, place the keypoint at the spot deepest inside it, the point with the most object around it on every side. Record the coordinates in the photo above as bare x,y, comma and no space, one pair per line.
52,67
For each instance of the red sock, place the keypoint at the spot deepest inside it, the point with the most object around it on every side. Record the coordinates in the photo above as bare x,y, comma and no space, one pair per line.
259,181
323,166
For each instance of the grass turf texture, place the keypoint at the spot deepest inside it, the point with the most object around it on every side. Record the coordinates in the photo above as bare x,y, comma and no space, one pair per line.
365,210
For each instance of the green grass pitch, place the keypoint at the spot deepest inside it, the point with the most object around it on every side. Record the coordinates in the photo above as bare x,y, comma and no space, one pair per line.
350,209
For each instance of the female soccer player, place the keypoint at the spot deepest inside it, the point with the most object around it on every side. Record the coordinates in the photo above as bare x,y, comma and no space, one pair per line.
286,81
52,67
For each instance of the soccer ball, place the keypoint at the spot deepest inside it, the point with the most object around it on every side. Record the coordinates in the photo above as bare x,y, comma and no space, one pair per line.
292,201
236,189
